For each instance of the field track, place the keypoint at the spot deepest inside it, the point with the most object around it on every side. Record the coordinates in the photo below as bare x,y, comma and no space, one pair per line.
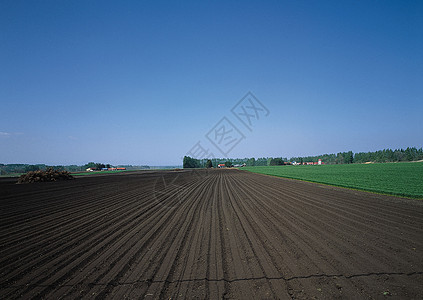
206,234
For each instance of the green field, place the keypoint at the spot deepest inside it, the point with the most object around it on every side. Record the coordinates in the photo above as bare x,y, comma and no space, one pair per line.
402,179
12,175
99,172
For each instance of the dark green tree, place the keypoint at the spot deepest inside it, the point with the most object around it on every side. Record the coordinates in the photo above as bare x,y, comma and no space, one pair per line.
228,164
209,164
57,168
251,162
31,168
91,165
190,162
99,166
349,157
269,160
276,162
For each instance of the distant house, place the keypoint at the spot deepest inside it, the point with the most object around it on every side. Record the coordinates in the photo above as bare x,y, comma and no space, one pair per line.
314,163
221,165
90,169
239,166
120,168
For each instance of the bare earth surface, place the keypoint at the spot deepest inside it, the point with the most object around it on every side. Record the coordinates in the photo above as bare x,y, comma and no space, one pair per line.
206,234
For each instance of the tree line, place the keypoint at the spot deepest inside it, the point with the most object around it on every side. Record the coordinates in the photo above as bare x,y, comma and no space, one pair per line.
6,169
380,156
349,157
189,162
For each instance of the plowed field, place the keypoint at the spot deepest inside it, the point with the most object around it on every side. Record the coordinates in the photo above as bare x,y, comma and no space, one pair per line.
206,234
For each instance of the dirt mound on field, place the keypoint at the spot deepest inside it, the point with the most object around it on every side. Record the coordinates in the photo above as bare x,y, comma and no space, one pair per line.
43,176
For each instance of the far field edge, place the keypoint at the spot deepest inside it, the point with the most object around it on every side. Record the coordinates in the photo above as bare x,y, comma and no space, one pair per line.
398,195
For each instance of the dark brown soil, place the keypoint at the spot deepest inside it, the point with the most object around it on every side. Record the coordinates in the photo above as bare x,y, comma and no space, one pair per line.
206,234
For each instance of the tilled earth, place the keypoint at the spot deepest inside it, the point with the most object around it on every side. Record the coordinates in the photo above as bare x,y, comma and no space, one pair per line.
206,234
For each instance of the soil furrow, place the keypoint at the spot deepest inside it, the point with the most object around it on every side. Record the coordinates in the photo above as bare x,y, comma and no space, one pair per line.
206,234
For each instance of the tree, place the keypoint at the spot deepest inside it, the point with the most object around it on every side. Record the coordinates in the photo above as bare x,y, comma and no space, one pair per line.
349,157
261,161
276,162
57,168
228,164
339,158
269,160
409,154
190,162
91,165
99,166
251,162
74,168
209,164
31,168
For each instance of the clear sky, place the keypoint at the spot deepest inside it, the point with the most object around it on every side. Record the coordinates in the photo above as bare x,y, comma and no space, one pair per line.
142,82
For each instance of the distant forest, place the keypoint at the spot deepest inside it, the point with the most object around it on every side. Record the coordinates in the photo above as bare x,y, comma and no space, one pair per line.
381,156
7,169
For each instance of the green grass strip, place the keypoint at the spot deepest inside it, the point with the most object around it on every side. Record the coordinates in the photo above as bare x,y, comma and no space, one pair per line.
399,179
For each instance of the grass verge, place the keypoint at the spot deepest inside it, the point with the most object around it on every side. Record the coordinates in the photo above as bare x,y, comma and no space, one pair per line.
99,172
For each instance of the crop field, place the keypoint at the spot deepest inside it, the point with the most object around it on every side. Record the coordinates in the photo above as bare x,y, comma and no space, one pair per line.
401,179
98,172
206,234
11,175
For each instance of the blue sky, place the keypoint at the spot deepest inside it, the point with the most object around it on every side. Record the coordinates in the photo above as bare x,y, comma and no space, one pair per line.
141,82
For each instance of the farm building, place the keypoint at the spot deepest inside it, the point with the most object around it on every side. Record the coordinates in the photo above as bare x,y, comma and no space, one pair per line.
239,166
221,165
314,163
